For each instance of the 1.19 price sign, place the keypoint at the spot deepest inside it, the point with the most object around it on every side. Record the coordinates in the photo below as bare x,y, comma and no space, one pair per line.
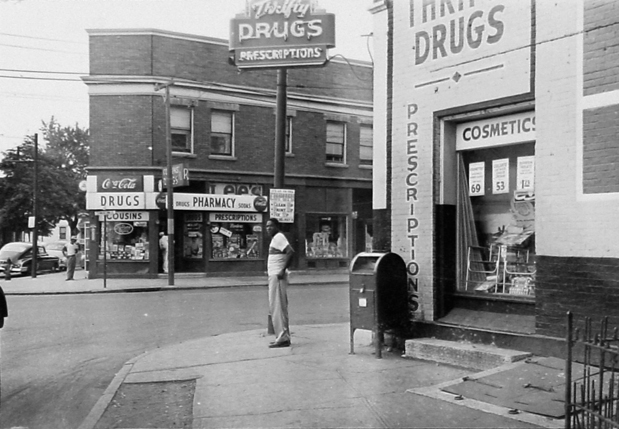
477,178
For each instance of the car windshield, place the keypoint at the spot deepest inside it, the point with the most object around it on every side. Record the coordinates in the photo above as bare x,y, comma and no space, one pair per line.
54,246
11,250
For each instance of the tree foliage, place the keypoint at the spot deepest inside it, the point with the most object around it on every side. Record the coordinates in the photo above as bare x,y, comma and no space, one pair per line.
62,161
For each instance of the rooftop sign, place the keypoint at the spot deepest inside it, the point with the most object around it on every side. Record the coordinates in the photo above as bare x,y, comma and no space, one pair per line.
281,33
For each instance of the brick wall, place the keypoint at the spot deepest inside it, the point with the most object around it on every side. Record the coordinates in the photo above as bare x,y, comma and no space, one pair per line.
588,287
601,50
206,60
122,124
601,150
121,131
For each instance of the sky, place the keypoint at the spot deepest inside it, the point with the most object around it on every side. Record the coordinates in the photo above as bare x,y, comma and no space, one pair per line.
44,48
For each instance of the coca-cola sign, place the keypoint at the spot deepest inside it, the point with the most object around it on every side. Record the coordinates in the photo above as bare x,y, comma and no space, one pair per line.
120,183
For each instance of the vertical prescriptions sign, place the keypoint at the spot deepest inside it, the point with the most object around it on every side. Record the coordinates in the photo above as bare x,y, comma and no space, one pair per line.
281,33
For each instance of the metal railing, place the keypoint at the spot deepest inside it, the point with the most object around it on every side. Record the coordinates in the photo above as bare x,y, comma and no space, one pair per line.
592,376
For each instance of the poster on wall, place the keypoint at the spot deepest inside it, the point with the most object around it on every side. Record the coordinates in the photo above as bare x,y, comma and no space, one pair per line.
282,205
477,177
500,176
525,173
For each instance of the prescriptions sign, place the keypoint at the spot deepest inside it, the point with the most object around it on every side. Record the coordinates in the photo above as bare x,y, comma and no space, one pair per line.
281,33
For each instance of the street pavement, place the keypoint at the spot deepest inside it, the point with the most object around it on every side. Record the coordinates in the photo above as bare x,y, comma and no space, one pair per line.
239,382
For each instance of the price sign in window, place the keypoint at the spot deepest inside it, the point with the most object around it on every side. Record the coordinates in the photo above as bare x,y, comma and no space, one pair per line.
525,175
477,177
500,176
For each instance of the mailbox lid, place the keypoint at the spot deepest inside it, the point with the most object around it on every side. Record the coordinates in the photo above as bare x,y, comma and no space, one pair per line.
365,263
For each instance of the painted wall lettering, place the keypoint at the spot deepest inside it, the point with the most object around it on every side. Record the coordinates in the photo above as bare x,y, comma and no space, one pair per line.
448,27
412,222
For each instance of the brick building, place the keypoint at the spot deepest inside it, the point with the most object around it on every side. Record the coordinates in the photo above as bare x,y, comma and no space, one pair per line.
498,181
222,124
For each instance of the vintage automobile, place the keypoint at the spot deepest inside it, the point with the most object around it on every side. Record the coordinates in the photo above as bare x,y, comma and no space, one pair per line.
54,248
20,255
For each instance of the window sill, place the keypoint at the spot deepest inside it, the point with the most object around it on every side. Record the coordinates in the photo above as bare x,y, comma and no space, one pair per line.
183,155
365,167
335,165
223,157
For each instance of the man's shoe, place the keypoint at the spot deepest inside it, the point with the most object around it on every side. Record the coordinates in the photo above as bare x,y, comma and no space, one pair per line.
277,345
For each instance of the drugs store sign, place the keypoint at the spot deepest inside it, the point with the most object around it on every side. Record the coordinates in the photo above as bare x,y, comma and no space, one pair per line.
281,33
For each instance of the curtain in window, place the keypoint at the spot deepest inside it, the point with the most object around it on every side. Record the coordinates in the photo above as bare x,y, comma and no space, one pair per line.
221,122
467,232
180,118
365,143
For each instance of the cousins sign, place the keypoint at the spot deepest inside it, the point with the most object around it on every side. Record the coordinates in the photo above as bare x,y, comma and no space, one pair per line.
281,33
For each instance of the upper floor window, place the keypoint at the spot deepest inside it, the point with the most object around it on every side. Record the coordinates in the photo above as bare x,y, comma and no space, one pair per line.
180,128
365,145
336,141
222,137
289,134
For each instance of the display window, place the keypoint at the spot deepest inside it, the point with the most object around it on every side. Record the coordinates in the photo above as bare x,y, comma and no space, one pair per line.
193,239
236,235
124,240
326,236
496,206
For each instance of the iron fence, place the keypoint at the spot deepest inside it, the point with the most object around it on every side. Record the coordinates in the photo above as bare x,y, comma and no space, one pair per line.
592,376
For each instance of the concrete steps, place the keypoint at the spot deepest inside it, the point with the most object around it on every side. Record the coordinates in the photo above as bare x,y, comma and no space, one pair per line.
468,355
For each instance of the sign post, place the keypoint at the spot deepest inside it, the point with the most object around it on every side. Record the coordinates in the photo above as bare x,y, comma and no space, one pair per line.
281,34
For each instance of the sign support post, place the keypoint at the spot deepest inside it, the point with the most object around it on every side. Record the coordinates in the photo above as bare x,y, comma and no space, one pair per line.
169,189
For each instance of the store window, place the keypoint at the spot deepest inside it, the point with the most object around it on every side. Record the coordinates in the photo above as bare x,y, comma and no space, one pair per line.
366,145
326,236
336,142
236,235
124,240
222,133
193,239
497,219
180,128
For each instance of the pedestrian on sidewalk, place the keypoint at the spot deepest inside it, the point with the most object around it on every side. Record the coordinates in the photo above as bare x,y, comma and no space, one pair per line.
163,246
70,252
4,309
280,257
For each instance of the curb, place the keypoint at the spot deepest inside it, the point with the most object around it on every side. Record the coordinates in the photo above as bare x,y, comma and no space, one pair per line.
97,411
162,288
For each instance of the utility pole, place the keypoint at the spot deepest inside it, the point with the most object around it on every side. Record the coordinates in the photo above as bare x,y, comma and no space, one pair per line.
280,143
280,128
35,208
169,188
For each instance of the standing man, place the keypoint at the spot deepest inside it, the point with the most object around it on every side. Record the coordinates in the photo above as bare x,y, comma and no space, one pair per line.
280,257
70,252
163,245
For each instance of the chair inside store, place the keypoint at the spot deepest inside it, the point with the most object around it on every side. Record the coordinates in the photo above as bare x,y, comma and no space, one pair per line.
482,268
518,270
500,269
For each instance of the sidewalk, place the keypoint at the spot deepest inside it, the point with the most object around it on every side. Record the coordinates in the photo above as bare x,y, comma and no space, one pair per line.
236,381
54,283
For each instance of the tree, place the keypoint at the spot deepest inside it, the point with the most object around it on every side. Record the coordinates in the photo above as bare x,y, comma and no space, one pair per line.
62,162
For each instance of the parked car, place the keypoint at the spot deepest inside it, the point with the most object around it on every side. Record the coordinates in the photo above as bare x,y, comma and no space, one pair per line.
54,248
20,255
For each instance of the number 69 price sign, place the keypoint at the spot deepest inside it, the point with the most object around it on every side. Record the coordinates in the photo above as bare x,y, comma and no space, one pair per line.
477,178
